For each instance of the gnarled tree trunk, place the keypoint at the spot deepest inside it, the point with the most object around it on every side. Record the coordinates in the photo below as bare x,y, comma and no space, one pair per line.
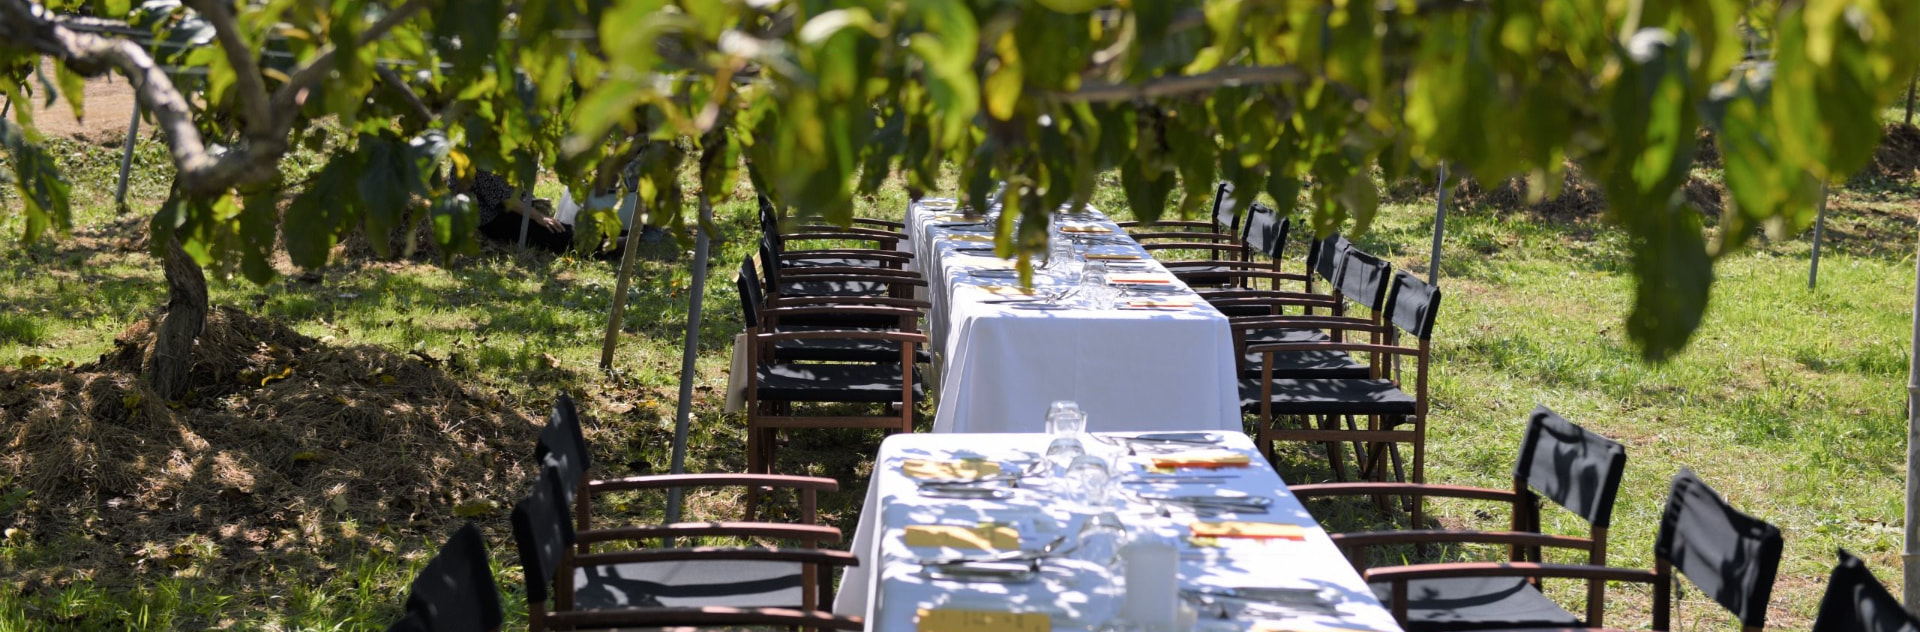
172,358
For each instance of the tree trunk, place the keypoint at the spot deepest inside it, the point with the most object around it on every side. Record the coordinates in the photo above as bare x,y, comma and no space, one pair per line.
172,359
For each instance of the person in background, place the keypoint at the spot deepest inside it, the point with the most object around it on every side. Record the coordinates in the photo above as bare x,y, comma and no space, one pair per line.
502,208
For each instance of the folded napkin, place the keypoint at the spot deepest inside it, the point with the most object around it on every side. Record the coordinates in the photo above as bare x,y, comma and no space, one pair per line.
1210,459
1107,257
1139,278
1170,303
955,620
986,537
1007,290
1248,530
1087,229
972,237
942,470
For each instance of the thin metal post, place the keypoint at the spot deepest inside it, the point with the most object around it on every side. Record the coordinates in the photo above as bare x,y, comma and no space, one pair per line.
1819,229
126,159
1439,227
1910,559
616,313
1910,85
683,416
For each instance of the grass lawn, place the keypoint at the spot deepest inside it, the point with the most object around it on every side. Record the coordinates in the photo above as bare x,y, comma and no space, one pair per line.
1789,401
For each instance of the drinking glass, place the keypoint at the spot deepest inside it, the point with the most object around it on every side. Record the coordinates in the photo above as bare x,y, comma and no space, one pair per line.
1090,481
1093,284
1064,418
1064,451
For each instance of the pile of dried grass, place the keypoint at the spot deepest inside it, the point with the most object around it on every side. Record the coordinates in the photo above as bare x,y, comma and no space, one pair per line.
1898,156
1578,196
285,440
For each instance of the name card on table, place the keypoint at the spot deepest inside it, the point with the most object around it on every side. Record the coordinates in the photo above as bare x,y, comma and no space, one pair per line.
1248,530
986,537
1109,257
1159,304
954,469
982,239
949,620
1085,229
1209,459
1132,279
1007,290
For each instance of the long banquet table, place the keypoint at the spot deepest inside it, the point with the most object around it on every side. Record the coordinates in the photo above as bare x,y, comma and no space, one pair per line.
1078,590
1129,369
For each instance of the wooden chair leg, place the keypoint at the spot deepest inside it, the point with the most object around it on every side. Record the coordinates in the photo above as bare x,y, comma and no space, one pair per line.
1336,451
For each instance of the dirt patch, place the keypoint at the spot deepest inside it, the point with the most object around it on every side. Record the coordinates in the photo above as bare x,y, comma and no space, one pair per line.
288,444
108,104
1898,156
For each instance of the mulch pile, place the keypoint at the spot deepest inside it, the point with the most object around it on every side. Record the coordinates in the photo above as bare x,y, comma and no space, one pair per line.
1578,197
288,444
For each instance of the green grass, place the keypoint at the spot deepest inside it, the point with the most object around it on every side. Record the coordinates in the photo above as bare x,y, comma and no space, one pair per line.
1788,401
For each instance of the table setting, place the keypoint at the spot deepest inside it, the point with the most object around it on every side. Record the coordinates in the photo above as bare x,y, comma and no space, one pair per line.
1071,530
1093,308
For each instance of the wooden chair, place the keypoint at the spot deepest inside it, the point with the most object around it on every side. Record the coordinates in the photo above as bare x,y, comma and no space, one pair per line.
882,239
776,386
1219,237
455,592
1383,398
1856,602
781,281
570,585
1729,556
1562,462
810,313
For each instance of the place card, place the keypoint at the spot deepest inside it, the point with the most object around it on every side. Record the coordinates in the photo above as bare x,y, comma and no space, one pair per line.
986,537
1007,290
1159,304
1210,459
971,237
1248,530
1112,257
1142,279
962,469
953,620
1093,229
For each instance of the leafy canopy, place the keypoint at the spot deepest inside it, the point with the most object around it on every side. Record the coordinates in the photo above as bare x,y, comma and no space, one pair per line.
1301,100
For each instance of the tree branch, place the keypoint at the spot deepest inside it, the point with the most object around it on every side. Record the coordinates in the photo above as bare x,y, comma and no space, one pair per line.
1184,84
399,85
286,102
253,90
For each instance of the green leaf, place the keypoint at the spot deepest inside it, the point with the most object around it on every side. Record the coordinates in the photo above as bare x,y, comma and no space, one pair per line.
258,224
470,32
454,223
383,187
323,211
73,87
38,178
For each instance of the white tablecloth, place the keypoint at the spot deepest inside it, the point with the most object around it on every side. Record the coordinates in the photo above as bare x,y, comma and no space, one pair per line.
1129,369
889,586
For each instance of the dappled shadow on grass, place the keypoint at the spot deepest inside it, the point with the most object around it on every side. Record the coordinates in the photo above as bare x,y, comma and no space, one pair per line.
291,459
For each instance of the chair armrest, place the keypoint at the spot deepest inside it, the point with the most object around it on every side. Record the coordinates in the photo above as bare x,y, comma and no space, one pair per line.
871,233
1185,223
890,256
710,529
663,481
1394,574
1325,490
1425,536
1362,347
841,334
1189,245
897,226
811,271
836,236
705,617
700,553
876,301
1252,297
1252,323
776,313
868,278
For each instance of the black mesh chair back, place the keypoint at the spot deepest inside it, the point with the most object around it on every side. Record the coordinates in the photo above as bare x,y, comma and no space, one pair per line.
1266,231
1414,305
748,283
455,592
1730,556
564,446
1362,278
1325,256
1856,602
1226,216
1574,468
543,534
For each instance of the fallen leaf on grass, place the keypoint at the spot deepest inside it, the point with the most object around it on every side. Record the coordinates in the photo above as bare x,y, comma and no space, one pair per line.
32,362
283,374
474,509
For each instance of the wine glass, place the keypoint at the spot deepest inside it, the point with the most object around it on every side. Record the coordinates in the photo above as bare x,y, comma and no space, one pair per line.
1064,418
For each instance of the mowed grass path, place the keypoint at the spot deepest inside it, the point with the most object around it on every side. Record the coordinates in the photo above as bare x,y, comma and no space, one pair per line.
1789,401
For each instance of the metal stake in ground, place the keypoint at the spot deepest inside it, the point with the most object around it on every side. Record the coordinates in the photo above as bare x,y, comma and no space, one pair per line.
1910,560
616,313
683,416
1819,228
126,159
1439,227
